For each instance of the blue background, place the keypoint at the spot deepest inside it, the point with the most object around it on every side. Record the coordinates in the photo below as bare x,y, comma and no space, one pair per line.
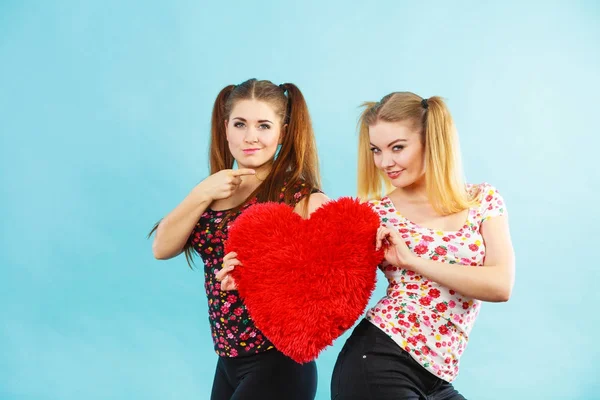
104,118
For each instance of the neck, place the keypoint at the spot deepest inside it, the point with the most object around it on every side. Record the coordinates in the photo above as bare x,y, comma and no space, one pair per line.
415,193
260,175
263,170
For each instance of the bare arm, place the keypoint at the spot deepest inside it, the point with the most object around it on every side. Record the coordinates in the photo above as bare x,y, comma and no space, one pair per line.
314,200
491,282
175,229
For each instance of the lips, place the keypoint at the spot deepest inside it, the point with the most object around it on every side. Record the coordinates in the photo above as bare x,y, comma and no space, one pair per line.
250,151
394,174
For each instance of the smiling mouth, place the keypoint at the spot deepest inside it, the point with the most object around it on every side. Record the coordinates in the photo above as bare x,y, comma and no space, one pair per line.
250,151
394,174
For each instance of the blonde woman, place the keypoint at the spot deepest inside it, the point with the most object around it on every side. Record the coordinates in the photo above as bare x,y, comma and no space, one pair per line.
448,249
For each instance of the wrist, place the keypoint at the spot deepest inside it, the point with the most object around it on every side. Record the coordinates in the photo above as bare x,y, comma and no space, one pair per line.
414,263
200,196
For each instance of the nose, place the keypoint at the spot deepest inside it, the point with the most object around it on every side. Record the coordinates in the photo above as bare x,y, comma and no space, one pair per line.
387,160
251,136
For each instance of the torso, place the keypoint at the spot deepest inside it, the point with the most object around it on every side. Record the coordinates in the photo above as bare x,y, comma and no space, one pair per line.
432,322
424,215
233,330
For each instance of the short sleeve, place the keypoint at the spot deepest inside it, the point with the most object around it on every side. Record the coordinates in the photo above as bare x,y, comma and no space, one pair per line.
376,207
492,202
301,190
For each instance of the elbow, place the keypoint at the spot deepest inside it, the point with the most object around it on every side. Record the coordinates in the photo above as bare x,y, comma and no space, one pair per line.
503,297
160,256
502,294
158,253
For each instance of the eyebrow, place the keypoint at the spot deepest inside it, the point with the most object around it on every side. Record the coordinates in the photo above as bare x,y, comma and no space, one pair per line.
392,143
259,121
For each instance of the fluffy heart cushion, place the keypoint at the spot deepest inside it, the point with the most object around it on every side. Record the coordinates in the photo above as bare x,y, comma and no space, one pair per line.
305,281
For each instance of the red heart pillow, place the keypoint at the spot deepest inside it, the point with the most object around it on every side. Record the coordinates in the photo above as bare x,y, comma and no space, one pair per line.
305,281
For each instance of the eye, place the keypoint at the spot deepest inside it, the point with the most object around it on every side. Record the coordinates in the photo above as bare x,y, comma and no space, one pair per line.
397,148
239,124
375,150
264,126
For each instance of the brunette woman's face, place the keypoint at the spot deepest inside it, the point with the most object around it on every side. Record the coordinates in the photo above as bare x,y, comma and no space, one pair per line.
253,133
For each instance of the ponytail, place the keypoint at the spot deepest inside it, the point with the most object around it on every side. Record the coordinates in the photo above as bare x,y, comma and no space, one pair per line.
299,144
444,177
219,154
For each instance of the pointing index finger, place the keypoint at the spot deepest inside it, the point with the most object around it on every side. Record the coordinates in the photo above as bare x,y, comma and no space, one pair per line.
243,171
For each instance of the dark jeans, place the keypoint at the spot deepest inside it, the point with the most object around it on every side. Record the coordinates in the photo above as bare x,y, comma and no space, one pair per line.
371,366
269,375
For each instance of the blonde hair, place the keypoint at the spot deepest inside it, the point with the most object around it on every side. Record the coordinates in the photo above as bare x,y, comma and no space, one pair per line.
445,185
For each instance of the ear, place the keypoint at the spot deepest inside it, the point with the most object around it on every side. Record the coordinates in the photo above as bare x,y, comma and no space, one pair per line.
281,133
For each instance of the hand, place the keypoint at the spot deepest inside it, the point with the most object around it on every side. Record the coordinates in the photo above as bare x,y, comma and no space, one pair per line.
397,252
223,276
222,184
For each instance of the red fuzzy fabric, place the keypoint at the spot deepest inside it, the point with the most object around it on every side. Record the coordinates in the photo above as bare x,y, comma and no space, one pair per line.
305,282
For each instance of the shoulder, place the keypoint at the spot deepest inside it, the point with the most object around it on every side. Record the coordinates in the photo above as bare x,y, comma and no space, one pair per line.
488,198
300,186
310,203
316,200
482,191
381,206
374,203
303,196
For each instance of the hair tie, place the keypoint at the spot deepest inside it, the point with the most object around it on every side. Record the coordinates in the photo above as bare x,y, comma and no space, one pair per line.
282,86
424,104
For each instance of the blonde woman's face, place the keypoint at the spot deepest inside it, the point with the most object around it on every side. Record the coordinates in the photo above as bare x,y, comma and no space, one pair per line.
398,151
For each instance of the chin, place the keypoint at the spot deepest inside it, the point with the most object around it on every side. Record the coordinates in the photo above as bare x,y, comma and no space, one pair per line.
402,182
253,160
248,162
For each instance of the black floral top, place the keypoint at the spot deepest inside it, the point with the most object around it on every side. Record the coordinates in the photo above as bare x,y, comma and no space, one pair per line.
233,330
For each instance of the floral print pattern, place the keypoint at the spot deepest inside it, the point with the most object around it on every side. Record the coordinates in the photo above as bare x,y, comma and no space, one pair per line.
430,322
233,331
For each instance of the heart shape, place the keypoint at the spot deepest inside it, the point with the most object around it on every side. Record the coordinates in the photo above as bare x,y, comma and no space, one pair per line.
305,281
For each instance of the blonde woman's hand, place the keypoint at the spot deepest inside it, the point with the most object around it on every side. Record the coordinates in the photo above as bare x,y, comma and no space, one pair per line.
397,252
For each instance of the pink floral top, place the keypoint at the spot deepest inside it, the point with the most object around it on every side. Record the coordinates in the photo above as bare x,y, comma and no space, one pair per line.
431,322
